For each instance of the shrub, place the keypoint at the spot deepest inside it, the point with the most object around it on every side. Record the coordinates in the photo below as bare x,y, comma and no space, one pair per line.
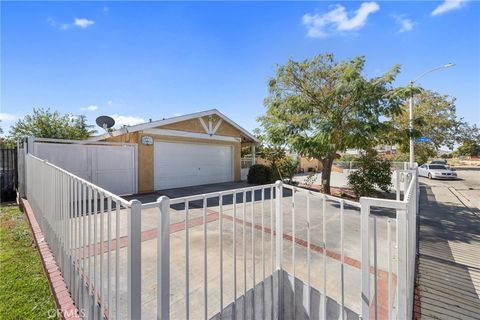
349,157
372,173
259,174
287,168
310,180
401,157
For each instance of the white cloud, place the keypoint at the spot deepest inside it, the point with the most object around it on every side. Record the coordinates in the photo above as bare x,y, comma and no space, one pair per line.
7,116
405,23
83,23
109,102
338,20
448,5
127,120
58,25
77,22
90,108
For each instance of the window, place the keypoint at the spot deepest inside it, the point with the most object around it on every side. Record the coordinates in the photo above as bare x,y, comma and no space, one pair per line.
437,167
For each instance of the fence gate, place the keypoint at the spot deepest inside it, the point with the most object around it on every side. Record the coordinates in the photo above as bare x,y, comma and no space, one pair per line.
8,174
112,166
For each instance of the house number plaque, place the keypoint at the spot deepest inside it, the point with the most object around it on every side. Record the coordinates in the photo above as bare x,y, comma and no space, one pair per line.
147,140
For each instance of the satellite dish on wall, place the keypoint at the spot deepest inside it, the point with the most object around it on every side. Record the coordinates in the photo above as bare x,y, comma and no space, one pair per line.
105,122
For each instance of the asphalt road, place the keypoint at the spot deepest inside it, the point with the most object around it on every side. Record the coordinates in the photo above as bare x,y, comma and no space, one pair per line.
466,187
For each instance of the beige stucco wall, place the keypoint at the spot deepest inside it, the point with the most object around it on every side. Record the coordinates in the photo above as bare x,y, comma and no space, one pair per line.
192,125
306,163
145,152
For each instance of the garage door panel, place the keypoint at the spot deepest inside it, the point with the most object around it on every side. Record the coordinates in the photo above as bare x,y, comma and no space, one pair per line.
188,164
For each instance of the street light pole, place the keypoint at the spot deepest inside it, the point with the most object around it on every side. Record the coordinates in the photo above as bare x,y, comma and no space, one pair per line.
410,125
410,108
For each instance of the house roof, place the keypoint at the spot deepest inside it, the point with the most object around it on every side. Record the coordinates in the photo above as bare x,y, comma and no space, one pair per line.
152,124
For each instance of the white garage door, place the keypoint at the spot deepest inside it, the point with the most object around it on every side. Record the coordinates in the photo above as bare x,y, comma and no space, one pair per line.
188,164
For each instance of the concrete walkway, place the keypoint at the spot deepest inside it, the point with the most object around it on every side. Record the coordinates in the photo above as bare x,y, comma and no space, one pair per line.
448,279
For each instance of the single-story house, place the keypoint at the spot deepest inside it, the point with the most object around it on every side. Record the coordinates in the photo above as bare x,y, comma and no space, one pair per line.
193,149
309,164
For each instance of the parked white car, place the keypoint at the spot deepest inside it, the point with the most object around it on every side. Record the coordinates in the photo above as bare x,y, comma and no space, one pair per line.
436,171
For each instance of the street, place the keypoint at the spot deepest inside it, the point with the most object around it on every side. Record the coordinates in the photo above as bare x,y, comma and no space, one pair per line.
448,279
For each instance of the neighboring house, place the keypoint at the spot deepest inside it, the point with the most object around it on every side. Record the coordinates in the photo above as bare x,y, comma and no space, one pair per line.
309,164
353,152
381,149
194,149
304,164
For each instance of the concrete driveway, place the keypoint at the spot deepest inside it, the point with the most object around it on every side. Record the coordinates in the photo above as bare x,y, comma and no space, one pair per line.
248,248
188,191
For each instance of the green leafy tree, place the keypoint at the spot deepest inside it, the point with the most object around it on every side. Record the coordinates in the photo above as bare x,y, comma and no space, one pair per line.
4,143
43,123
373,173
274,157
469,132
469,148
287,167
434,117
319,106
282,165
422,152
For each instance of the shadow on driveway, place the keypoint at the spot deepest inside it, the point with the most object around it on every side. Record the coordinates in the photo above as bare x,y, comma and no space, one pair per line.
448,265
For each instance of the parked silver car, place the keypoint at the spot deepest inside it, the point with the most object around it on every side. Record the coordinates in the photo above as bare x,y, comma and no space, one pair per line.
436,171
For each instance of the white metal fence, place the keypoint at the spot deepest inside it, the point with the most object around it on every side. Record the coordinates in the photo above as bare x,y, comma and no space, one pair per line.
227,251
245,164
81,222
352,165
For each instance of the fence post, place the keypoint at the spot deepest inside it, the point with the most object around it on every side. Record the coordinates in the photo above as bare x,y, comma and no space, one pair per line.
397,184
279,244
163,259
20,170
365,241
402,263
30,141
134,260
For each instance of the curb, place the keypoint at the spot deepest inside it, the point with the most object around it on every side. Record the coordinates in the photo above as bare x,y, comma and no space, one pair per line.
66,308
465,202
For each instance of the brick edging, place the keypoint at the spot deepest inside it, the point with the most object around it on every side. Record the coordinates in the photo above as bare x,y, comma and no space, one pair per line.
66,308
417,303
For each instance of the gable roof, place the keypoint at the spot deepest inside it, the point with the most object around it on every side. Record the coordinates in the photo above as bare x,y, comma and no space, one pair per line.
163,122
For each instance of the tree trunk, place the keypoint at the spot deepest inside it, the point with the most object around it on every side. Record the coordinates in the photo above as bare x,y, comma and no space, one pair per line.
327,163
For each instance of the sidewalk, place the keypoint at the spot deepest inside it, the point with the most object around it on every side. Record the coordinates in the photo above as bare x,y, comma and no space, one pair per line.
448,279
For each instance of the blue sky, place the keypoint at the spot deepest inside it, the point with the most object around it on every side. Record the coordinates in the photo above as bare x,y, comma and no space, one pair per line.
136,61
